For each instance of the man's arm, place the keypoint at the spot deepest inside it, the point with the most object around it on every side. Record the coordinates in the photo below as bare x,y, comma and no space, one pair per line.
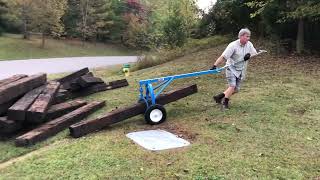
227,53
253,50
220,60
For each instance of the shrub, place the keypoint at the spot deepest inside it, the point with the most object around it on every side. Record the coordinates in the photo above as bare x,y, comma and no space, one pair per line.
161,56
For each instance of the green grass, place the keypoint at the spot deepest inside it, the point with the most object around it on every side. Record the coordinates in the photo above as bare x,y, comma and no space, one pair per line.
13,47
164,55
271,131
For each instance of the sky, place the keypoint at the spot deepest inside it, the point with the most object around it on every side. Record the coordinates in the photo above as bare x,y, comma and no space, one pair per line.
205,4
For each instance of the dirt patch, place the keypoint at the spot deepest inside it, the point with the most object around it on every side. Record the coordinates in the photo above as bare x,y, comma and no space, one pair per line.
297,111
224,120
178,130
288,64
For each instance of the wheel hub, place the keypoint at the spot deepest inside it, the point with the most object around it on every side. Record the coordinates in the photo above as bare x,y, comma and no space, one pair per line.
156,115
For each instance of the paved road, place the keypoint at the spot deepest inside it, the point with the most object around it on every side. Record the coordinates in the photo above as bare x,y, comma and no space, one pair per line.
59,65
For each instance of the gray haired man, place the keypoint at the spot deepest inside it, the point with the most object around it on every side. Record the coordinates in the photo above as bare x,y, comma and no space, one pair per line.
236,54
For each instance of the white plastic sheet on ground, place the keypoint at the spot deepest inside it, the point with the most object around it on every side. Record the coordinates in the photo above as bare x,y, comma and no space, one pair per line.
156,140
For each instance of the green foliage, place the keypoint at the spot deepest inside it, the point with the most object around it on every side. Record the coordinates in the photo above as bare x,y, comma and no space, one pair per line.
46,16
282,21
94,18
138,34
149,23
299,12
117,24
1,31
290,10
175,27
21,13
226,17
3,13
138,24
305,9
71,19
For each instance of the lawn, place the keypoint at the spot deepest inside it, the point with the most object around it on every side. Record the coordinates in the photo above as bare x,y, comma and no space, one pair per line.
270,132
13,47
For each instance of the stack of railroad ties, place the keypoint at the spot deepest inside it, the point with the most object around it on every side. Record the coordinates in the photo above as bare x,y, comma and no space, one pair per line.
34,109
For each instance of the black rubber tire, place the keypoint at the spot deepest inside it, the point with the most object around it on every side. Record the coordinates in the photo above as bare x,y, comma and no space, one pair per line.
148,118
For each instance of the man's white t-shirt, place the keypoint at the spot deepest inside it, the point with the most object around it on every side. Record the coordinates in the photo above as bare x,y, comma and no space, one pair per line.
234,54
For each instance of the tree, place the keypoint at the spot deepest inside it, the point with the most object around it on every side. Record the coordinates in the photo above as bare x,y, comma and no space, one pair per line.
117,25
139,32
295,10
42,16
175,27
94,15
3,11
71,19
46,17
22,9
226,17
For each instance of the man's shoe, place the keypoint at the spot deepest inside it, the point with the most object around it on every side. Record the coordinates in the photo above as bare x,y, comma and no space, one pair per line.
218,98
225,104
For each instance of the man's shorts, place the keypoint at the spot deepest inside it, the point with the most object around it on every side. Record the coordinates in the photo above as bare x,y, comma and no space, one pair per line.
233,81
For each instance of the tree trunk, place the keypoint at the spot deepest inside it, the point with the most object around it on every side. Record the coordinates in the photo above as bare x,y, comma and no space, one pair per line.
25,31
300,37
25,28
95,39
261,28
84,21
43,40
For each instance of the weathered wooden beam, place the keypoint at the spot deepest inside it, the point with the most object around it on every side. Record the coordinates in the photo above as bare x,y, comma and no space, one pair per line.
4,107
63,91
98,88
53,127
61,109
62,97
90,90
20,87
19,109
38,110
88,80
12,79
9,126
118,84
73,76
118,115
74,86
84,82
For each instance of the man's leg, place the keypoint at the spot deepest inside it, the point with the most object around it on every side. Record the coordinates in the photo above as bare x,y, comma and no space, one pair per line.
232,82
231,91
228,93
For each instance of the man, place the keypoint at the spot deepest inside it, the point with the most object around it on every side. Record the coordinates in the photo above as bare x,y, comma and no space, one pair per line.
236,54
